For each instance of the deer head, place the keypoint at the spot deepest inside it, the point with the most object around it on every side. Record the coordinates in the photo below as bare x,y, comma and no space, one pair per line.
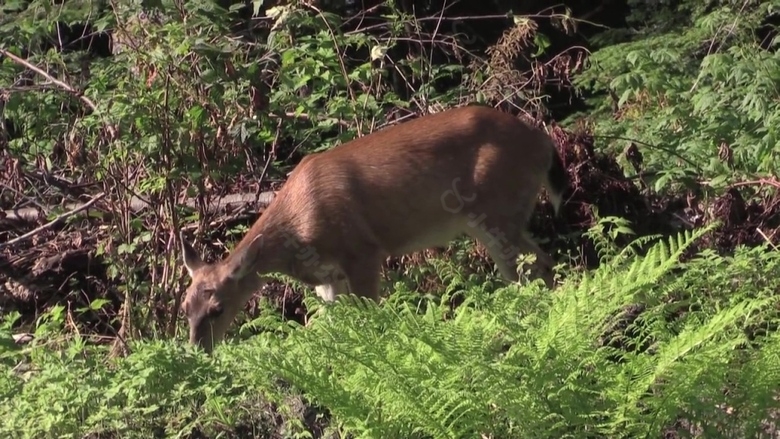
218,291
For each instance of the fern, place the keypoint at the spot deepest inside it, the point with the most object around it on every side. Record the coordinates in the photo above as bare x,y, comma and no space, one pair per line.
623,351
701,100
519,361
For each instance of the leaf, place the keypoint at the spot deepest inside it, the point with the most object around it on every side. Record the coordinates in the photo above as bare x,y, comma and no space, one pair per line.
719,181
542,42
288,58
625,96
633,56
256,7
96,304
197,115
378,52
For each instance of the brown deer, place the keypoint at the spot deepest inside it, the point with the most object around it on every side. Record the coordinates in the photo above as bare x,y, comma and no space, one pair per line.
472,170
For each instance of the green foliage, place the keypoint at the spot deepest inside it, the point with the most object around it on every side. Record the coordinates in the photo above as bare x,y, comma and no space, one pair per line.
514,362
700,100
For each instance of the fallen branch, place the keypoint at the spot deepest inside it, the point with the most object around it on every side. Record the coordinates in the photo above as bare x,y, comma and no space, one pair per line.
137,204
56,220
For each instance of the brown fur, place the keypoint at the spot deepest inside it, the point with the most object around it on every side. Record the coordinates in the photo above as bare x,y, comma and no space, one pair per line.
472,170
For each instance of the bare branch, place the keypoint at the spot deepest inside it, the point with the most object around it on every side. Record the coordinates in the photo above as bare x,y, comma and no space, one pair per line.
51,223
227,202
23,62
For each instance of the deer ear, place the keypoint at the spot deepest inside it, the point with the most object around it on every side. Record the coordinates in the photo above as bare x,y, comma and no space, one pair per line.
190,256
243,263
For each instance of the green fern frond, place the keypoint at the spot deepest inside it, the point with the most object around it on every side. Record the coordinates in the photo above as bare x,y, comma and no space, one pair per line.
615,351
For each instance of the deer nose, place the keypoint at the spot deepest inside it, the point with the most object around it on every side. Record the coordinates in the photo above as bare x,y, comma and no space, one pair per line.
201,335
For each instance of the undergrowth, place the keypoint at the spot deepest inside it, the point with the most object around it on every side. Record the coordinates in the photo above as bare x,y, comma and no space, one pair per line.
511,362
699,101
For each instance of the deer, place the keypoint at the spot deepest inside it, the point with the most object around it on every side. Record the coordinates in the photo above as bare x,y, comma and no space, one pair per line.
472,170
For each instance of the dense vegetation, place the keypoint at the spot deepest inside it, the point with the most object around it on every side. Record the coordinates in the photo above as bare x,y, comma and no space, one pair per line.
123,123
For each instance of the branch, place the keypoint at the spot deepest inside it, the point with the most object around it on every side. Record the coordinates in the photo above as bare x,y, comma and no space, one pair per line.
306,117
137,204
51,223
771,181
87,101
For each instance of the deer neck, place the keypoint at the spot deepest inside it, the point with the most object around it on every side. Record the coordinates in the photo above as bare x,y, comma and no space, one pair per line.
268,247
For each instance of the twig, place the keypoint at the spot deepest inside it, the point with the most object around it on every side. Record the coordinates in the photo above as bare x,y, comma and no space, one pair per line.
87,101
271,156
650,145
761,182
51,223
361,15
767,238
340,58
304,116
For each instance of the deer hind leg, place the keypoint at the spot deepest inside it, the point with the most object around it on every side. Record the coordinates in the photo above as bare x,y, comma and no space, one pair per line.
505,240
